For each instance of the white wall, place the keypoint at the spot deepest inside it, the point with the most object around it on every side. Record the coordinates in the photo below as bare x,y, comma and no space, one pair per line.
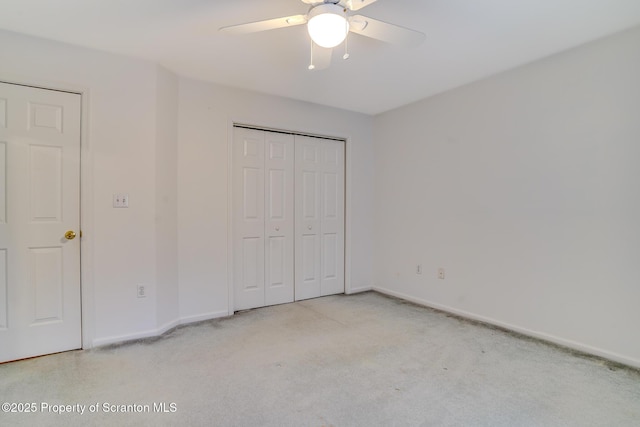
524,187
166,290
119,245
206,112
173,236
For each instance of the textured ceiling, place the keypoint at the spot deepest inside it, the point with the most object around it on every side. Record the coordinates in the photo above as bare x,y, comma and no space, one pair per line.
466,41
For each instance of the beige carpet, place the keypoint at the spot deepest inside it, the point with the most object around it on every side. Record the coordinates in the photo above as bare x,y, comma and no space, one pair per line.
361,360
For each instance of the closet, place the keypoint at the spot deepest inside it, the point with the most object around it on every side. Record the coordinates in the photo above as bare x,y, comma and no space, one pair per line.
288,217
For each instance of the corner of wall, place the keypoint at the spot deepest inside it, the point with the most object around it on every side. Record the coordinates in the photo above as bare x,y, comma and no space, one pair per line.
166,199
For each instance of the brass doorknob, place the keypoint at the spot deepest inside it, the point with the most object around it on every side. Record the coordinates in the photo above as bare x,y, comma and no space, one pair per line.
70,235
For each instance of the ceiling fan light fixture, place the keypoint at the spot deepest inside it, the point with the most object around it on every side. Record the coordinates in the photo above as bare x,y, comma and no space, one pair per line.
328,25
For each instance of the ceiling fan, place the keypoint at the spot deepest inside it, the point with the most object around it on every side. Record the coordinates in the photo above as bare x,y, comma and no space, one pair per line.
329,23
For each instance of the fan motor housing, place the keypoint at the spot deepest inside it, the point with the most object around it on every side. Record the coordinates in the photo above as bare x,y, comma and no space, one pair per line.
328,25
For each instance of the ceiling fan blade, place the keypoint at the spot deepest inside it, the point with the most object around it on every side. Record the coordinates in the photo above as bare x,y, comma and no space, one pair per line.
269,24
384,31
321,57
348,4
357,4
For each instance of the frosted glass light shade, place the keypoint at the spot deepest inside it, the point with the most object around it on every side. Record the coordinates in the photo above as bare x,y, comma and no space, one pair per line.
327,25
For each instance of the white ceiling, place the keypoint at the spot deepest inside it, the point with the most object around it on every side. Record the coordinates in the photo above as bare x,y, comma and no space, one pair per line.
466,41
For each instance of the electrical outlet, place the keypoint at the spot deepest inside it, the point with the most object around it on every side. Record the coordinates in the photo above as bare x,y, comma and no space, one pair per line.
120,200
441,273
419,269
142,292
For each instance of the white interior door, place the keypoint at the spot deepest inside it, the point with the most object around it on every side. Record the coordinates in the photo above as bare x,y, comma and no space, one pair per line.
263,232
319,200
40,310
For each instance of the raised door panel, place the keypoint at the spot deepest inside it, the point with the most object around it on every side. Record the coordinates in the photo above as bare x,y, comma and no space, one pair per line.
3,112
330,196
309,257
45,117
276,268
310,196
252,264
330,256
3,182
45,176
45,271
251,194
4,301
277,195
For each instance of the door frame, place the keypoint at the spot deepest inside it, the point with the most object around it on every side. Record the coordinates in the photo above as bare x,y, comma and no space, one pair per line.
87,314
289,128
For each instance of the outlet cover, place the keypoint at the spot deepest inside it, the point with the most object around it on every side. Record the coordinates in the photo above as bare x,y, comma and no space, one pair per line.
120,200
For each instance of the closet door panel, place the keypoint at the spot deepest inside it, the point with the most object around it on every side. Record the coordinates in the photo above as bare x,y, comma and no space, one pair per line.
308,217
332,218
248,224
279,221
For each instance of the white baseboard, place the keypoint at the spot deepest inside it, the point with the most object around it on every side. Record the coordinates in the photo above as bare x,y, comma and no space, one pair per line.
98,342
524,331
204,316
359,290
167,326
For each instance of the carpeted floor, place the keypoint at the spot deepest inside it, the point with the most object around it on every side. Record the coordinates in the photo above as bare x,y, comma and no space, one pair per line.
360,360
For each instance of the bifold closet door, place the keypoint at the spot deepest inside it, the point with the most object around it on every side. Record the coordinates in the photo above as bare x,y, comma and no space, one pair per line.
319,202
263,190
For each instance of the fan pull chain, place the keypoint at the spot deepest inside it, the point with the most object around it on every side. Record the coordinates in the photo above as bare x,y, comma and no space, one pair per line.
346,42
311,66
